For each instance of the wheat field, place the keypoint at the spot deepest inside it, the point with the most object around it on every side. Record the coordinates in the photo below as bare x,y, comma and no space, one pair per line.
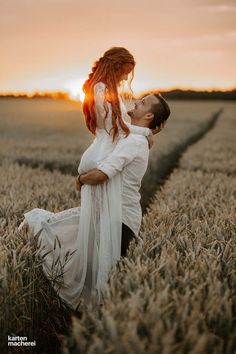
175,291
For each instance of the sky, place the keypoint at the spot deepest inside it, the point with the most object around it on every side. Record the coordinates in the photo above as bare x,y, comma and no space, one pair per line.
52,44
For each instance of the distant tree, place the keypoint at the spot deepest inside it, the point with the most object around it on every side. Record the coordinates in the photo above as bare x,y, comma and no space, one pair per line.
176,94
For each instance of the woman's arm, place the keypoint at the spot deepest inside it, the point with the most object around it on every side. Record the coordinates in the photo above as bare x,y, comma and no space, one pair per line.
99,101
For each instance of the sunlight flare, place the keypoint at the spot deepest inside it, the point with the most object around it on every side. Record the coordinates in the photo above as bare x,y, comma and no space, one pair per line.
74,89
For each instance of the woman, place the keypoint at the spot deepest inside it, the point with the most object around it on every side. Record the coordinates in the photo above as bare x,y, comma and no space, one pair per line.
93,230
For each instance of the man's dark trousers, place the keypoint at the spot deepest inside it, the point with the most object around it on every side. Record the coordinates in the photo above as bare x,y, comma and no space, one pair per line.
127,236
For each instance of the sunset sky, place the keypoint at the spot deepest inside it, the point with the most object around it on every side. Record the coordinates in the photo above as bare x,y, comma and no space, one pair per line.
52,44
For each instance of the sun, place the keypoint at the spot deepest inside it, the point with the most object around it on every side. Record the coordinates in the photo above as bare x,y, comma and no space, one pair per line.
74,88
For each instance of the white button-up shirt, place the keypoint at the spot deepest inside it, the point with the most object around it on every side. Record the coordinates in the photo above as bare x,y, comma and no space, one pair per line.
130,157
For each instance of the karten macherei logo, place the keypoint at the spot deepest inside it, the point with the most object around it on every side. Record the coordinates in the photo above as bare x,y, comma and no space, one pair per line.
16,341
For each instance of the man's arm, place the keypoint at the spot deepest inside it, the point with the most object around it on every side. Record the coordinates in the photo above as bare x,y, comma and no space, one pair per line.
91,177
124,153
94,176
97,176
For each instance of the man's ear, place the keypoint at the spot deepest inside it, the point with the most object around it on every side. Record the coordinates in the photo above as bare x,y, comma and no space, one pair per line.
149,116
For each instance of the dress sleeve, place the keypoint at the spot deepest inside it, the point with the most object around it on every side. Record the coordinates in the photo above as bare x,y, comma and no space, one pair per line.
99,99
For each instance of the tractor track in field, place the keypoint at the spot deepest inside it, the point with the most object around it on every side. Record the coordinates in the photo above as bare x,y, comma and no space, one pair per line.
154,179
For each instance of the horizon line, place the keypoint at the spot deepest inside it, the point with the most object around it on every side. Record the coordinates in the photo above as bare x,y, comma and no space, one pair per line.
64,92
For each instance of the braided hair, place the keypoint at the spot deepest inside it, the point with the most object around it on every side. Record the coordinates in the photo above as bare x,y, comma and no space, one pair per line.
107,69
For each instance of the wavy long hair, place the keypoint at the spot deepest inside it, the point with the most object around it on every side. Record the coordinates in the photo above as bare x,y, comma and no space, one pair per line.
107,69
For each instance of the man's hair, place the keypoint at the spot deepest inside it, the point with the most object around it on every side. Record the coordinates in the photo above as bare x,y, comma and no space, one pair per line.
161,111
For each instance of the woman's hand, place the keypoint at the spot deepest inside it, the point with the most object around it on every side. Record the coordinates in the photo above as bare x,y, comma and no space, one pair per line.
153,132
150,140
157,130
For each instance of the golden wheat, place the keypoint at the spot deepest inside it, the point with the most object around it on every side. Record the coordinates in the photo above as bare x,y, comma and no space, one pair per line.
52,134
176,291
29,306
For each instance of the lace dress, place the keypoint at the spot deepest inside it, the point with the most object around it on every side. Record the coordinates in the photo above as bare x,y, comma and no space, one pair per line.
86,240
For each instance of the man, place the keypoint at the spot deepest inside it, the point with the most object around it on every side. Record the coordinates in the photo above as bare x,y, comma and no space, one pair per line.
130,157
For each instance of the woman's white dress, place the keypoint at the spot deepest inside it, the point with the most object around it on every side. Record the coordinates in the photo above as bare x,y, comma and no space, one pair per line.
89,235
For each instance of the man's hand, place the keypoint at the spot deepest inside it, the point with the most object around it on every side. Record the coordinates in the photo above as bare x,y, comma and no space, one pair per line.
77,184
157,130
92,177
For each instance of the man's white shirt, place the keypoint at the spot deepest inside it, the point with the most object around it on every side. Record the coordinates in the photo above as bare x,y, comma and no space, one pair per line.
130,157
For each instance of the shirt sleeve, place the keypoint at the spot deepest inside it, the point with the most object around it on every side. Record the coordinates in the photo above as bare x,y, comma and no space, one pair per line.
124,152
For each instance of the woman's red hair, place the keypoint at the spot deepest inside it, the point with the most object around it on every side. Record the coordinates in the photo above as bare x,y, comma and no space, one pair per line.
108,69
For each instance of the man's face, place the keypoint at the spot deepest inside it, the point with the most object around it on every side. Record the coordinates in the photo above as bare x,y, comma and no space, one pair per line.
143,106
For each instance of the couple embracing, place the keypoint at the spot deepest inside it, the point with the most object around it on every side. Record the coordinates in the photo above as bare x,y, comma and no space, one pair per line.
98,232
